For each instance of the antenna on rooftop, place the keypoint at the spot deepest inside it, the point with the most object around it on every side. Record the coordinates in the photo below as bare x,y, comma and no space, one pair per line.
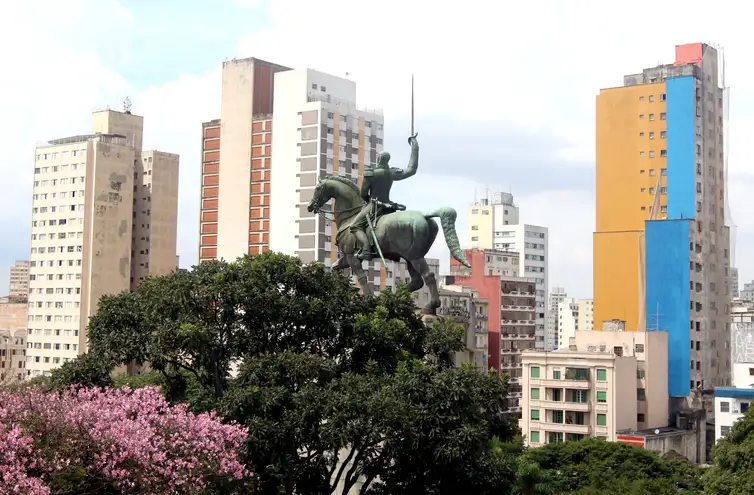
347,74
127,105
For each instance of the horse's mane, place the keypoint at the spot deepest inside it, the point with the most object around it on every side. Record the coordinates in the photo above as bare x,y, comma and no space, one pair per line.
343,180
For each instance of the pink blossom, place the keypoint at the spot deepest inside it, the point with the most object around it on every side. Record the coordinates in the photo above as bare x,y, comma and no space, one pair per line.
132,438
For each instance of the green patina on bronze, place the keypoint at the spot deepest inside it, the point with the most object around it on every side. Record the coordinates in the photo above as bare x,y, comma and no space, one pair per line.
400,234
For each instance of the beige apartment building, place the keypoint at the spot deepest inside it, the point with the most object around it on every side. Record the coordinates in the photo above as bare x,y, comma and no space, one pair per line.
464,306
93,203
586,314
12,341
587,389
18,284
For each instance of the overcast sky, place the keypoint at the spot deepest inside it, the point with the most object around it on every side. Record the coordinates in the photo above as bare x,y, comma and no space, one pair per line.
505,92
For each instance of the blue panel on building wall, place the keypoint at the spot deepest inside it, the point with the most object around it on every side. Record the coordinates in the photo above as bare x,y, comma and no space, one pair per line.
681,160
667,294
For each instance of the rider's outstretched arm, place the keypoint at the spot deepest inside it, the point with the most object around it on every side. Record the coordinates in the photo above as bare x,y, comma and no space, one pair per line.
413,164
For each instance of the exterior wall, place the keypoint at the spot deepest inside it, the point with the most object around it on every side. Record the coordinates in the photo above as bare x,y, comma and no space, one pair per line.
668,294
236,112
210,192
617,277
13,341
568,322
557,295
19,279
742,340
12,353
532,242
156,216
488,218
619,372
651,352
463,306
261,168
586,314
107,227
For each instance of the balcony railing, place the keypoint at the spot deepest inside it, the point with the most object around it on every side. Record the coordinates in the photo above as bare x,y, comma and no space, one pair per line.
566,428
565,406
575,384
519,322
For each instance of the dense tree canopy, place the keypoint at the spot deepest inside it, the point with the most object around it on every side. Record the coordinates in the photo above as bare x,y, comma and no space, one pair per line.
322,374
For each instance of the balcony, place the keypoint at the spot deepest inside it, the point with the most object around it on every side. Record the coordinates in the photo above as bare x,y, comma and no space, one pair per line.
565,428
511,307
515,293
518,322
566,406
458,311
575,384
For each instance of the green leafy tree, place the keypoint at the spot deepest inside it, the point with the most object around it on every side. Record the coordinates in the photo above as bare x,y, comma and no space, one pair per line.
87,370
321,371
594,466
732,471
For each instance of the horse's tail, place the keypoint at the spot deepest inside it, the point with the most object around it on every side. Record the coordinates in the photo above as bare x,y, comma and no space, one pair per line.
447,217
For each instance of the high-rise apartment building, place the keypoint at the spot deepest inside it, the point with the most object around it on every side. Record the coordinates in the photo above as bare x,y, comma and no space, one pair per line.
494,224
661,246
102,219
19,279
238,221
557,295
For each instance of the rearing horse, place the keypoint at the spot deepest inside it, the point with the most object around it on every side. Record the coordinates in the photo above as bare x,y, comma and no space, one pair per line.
402,234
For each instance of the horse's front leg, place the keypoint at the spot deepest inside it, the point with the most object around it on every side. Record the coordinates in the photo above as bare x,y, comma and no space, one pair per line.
361,275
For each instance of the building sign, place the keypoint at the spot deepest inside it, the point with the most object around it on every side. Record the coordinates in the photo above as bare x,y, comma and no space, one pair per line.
631,440
742,342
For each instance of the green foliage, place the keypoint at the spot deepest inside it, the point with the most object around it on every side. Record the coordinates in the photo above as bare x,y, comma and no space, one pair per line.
87,370
733,468
594,466
322,370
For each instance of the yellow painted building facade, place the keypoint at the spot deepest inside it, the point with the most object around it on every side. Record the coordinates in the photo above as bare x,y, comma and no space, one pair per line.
630,166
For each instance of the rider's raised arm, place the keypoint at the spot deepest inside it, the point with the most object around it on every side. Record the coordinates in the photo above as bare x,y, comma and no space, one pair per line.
366,184
413,163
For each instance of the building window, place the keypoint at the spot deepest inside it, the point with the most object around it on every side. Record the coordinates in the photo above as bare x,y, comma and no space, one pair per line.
724,430
651,135
535,372
534,436
651,170
663,116
651,154
535,414
641,394
601,375
641,134
651,116
556,374
651,98
662,134
641,98
601,396
640,418
662,97
663,152
641,115
534,394
602,420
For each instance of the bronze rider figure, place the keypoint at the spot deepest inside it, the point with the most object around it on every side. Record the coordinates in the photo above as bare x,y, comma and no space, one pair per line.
375,190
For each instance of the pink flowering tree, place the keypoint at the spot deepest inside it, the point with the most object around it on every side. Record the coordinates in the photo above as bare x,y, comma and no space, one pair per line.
114,441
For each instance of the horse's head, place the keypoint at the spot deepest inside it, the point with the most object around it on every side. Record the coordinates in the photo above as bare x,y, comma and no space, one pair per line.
320,197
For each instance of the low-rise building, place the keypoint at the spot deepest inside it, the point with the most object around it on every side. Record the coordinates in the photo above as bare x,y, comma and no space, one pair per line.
587,389
731,403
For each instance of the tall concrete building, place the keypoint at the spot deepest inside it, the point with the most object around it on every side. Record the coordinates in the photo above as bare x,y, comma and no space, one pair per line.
557,295
495,224
18,284
238,222
100,219
661,246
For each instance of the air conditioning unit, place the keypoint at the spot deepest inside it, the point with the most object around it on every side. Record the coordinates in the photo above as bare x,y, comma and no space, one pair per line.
736,411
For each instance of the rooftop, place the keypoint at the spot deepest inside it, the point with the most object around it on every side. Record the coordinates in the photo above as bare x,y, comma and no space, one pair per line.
81,138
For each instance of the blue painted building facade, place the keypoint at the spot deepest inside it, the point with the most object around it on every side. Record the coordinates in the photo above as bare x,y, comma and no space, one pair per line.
667,253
